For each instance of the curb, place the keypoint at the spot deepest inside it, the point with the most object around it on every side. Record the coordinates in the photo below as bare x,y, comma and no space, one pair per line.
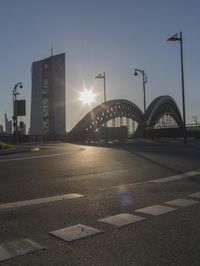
2,153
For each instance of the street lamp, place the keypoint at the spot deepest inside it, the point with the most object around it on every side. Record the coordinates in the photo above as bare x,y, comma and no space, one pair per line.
103,76
15,122
195,120
179,38
144,81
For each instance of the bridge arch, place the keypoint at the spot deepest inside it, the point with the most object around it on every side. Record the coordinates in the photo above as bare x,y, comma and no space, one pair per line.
93,120
105,112
160,106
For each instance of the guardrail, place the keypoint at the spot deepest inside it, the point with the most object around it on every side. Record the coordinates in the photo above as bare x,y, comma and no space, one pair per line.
192,131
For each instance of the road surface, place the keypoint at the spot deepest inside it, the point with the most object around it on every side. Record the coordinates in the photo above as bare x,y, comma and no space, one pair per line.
149,192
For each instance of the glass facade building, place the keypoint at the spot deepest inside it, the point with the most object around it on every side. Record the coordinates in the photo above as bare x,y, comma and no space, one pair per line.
48,112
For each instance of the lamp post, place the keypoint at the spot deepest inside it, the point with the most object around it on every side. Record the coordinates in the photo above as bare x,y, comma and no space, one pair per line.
144,81
195,121
103,76
15,120
179,38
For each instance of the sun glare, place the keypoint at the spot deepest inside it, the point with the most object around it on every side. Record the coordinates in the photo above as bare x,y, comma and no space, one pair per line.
87,96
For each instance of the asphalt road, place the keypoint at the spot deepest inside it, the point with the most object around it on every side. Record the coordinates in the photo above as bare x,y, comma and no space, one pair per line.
107,181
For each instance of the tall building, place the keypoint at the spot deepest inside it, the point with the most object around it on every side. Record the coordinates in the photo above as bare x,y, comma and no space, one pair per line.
48,96
8,125
1,129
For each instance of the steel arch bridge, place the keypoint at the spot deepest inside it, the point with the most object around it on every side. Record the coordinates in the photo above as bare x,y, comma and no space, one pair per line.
97,117
103,113
162,105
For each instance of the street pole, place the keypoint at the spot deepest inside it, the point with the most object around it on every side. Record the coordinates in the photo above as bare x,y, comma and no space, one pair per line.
195,121
183,89
180,39
144,81
104,83
15,115
104,77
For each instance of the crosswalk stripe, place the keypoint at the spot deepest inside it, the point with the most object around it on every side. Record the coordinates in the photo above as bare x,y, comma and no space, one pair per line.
122,219
75,232
17,248
156,210
181,202
195,195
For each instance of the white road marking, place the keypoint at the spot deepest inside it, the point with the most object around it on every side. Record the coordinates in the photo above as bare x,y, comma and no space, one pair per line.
75,232
156,210
182,202
16,248
34,157
35,149
130,184
163,179
24,203
195,195
122,219
175,177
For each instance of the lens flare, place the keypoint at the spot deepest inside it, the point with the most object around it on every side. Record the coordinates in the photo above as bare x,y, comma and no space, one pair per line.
125,198
87,96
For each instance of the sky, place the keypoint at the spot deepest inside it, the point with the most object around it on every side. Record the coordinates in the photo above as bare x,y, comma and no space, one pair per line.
111,36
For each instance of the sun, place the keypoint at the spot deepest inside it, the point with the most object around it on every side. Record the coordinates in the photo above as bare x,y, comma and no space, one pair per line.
87,96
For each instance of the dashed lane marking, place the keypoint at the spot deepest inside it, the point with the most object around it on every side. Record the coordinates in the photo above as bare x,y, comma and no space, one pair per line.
122,219
182,202
156,210
75,232
24,203
15,248
195,195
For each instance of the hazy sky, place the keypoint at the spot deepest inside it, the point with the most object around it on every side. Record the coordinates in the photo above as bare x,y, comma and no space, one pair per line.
114,36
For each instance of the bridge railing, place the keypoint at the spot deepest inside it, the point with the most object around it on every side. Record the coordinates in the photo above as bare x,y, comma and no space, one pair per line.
192,131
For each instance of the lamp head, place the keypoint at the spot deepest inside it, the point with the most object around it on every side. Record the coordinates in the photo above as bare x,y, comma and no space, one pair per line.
21,86
135,73
174,38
